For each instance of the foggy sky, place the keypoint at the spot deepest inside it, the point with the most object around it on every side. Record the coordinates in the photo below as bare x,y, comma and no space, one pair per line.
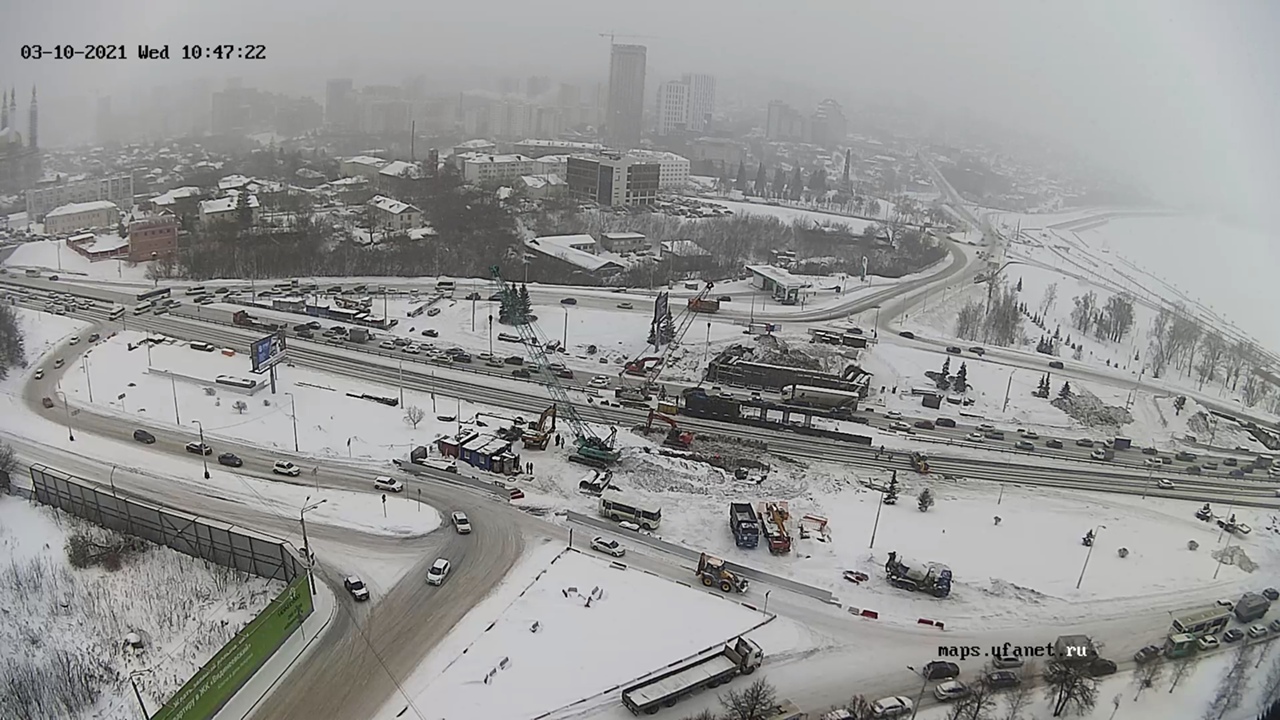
1178,93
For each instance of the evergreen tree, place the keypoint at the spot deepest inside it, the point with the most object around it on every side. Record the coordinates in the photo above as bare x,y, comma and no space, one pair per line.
505,308
1065,392
1019,287
244,213
818,182
741,180
961,381
779,182
891,492
13,349
525,308
762,180
796,190
925,500
946,366
667,329
653,335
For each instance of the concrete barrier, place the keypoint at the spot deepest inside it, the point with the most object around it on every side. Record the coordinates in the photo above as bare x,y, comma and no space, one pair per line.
924,621
617,566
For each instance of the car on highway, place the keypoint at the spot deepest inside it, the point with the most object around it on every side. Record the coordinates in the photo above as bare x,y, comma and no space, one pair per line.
1102,666
199,448
940,670
950,690
1056,364
461,523
568,301
1232,635
994,435
975,437
1274,626
1230,462
1257,631
625,306
1026,445
438,572
284,467
230,460
599,381
144,437
356,587
899,426
608,547
411,349
1000,679
1147,654
1184,456
907,334
1194,469
1208,642
387,345
521,373
978,350
953,350
1236,472
893,415
891,707
1099,454
1085,442
986,427
1029,434
945,422
1152,462
75,340
39,374
1150,450
390,484
924,424
1209,465
1054,443
430,332
58,363
1006,661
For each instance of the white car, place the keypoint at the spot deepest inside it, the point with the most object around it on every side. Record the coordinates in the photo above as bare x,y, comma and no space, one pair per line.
1208,642
608,547
39,373
986,427
975,437
382,482
284,467
599,381
438,572
893,414
1228,604
75,340
1152,462
387,345
461,523
1257,631
950,690
899,425
410,350
891,707
1165,483
356,587
628,525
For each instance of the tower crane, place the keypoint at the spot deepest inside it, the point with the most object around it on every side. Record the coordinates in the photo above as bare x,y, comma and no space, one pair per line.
611,35
591,448
649,367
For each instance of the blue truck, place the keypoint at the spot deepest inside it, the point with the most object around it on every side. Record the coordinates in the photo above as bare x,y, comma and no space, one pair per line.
745,525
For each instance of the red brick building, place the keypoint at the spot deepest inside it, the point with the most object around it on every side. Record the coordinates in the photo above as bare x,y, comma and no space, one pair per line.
150,234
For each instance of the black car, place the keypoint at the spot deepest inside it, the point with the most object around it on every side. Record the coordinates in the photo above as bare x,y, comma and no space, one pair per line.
924,424
1185,456
197,448
1056,364
230,460
1054,443
994,435
1231,462
998,679
941,670
953,349
1232,635
1271,594
1102,666
1194,469
568,301
977,350
305,333
521,373
143,436
1084,442
907,334
335,290
945,422
1147,654
724,298
513,360
1236,472
429,332
1149,451
95,337
473,296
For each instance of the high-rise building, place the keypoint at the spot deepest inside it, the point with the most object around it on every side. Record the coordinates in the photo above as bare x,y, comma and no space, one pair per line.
625,111
785,123
340,104
828,126
537,85
702,99
673,107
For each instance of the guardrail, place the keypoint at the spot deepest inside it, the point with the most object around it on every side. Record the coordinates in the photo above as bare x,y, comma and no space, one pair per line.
690,554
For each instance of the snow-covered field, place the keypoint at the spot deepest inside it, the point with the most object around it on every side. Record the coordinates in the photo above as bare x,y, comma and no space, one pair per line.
53,256
575,633
65,627
790,215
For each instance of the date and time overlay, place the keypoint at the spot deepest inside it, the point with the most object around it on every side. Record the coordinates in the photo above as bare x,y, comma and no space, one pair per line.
143,52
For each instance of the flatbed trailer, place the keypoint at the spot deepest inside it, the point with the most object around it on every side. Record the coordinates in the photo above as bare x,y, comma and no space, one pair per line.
740,656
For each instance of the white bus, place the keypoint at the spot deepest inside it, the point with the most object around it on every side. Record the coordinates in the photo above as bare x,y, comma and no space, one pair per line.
1205,621
116,312
618,507
234,381
446,287
142,308
197,290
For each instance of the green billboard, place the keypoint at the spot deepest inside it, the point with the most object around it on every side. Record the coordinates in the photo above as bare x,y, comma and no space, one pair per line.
215,683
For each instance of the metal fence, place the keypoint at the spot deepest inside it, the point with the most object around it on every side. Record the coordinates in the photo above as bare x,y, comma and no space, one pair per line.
218,542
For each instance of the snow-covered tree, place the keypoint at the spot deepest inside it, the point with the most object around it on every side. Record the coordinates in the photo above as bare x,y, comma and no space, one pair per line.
925,500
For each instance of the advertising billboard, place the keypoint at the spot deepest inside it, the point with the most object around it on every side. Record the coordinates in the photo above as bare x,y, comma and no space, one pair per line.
267,352
660,305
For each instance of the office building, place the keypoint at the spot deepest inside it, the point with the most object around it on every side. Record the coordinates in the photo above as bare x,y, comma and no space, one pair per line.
613,180
785,124
702,99
482,168
673,169
673,108
625,110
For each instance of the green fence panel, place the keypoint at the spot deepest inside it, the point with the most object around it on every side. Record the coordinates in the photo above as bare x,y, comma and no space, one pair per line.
220,678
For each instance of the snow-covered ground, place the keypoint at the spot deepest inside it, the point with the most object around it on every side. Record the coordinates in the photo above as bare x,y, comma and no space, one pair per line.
790,215
574,633
66,626
53,256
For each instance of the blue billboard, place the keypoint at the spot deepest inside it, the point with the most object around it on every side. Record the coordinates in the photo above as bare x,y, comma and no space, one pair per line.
267,352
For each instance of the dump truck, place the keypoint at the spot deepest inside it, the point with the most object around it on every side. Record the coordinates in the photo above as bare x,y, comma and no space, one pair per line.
703,305
740,656
242,318
1250,607
714,573
904,574
745,525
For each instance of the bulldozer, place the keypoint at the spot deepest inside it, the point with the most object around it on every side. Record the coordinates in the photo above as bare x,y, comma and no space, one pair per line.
676,438
539,434
920,462
713,573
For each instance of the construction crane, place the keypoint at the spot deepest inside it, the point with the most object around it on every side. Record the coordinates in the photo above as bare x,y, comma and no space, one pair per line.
611,35
647,368
591,448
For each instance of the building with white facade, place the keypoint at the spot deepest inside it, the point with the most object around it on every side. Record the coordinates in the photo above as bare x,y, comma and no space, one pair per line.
391,215
673,107
673,172
624,242
702,99
538,148
81,216
362,166
480,167
224,209
116,188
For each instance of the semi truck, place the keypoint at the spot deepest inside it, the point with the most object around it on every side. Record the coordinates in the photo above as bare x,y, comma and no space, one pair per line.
740,656
933,578
745,525
242,318
704,305
810,396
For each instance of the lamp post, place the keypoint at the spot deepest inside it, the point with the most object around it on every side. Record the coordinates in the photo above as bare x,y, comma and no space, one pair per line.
306,545
112,479
924,682
564,343
88,382
203,458
67,409
1147,485
293,413
1089,554
766,601
491,336
173,385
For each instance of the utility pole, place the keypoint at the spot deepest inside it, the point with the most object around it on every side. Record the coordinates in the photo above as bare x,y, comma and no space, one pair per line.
401,383
1090,554
876,525
707,348
1008,386
306,545
293,407
490,336
173,385
89,382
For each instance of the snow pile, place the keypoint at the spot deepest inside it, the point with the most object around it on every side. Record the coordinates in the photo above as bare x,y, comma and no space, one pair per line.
1235,555
1086,408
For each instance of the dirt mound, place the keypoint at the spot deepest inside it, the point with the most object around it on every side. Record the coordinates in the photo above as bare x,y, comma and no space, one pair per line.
1235,555
1085,408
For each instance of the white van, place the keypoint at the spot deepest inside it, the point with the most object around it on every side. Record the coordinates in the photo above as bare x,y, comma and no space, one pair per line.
197,290
142,308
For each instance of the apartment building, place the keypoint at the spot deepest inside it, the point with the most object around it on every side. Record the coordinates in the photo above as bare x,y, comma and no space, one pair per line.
115,188
618,180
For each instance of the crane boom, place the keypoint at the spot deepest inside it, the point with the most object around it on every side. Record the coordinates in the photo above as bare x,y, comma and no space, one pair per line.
651,371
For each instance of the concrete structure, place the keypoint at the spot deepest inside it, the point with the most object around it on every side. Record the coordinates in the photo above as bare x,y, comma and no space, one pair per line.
398,177
716,150
180,200
152,234
225,209
574,254
81,216
828,127
543,185
551,165
614,180
623,242
116,188
97,247
481,450
782,285
362,166
476,146
20,161
539,148
673,170
673,108
480,168
625,110
702,99
391,215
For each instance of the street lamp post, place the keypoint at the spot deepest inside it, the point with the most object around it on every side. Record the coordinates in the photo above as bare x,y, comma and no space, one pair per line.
1147,485
766,601
293,408
564,343
306,545
87,381
173,385
67,409
924,682
112,479
490,336
1089,554
203,458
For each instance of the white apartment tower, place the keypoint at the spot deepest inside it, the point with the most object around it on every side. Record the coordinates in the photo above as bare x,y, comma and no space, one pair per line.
702,99
673,107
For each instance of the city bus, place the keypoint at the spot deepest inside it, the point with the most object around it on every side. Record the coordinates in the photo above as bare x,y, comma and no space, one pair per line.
116,312
1198,623
156,293
618,507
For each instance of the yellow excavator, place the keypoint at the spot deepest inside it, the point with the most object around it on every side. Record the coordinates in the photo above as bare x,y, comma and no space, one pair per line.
538,435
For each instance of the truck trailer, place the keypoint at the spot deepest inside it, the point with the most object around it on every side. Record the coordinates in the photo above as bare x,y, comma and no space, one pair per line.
740,656
703,305
745,525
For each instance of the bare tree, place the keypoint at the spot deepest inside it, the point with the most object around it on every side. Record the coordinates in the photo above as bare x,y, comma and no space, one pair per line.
754,702
1212,350
414,415
1172,333
1084,311
860,708
704,715
1231,687
1182,668
1271,688
1017,698
1069,687
1050,297
1237,357
978,704
8,459
1147,675
240,406
969,321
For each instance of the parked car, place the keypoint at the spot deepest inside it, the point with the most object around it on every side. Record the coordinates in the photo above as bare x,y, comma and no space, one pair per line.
1146,654
430,332
1257,631
625,306
438,572
1056,364
433,312
39,374
608,547
144,437
1054,443
941,670
1274,626
1000,679
924,424
461,523
284,467
977,350
75,340
1226,603
389,484
58,363
891,707
907,334
1271,594
945,422
1232,635
1102,666
199,448
1005,662
950,690
568,301
953,349
230,460
356,587
47,402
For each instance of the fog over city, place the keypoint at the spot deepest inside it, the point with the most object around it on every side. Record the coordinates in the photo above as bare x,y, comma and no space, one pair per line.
1178,95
